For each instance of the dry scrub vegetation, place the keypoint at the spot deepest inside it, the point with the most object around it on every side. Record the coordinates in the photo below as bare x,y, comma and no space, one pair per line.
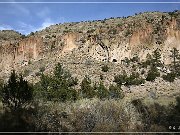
54,104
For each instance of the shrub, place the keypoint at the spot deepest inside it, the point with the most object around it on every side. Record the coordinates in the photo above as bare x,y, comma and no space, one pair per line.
120,79
114,60
127,33
169,77
31,34
38,74
42,69
21,121
48,36
133,79
127,61
88,62
101,77
115,92
135,59
105,68
102,91
142,72
26,72
29,62
112,31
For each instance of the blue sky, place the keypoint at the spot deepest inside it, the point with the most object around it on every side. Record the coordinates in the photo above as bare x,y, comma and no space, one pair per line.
32,17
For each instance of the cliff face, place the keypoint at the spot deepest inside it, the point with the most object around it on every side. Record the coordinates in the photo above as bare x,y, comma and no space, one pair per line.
104,40
18,53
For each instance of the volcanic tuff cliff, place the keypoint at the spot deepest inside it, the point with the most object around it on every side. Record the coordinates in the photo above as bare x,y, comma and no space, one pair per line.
92,41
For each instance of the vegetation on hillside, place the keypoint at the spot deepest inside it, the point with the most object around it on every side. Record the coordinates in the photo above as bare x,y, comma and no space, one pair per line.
56,104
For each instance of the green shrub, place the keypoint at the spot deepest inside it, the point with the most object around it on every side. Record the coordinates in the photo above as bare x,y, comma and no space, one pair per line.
42,69
31,34
102,91
101,77
112,31
26,72
127,33
38,74
169,77
133,79
120,79
105,68
153,60
88,62
48,36
127,61
142,72
135,59
29,62
115,92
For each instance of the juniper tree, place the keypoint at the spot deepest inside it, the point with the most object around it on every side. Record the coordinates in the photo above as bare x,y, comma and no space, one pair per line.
102,91
16,92
57,87
87,91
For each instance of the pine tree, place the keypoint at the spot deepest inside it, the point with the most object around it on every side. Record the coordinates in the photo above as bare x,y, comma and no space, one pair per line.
175,55
156,58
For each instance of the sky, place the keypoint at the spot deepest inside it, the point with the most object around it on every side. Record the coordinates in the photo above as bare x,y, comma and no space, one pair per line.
31,17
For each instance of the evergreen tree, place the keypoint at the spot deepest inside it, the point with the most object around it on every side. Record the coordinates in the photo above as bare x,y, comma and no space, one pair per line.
175,55
57,87
148,59
17,92
87,91
156,58
102,91
152,74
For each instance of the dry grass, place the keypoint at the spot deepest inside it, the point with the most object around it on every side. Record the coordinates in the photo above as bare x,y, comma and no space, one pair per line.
95,115
161,100
89,115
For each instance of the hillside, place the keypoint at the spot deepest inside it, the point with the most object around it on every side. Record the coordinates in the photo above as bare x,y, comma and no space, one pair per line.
112,75
84,47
